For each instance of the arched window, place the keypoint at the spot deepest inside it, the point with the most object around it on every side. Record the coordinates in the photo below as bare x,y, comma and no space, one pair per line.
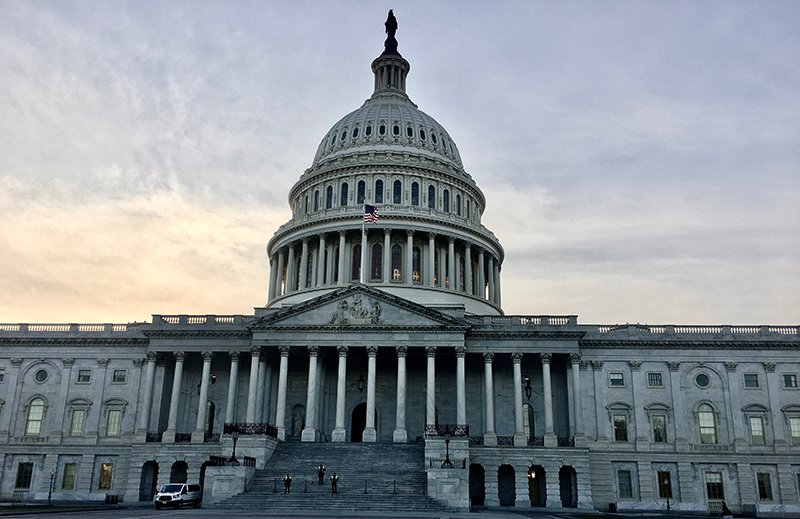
329,197
396,129
414,193
431,197
355,270
305,209
361,191
468,208
416,265
446,201
527,420
368,130
379,191
344,192
310,270
409,131
397,192
397,262
376,267
708,424
458,205
33,422
316,201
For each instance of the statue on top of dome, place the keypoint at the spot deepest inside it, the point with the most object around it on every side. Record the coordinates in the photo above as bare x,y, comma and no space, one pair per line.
390,45
391,24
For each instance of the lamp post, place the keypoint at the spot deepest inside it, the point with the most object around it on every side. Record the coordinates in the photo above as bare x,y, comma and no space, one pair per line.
50,490
232,459
447,463
527,387
668,488
362,384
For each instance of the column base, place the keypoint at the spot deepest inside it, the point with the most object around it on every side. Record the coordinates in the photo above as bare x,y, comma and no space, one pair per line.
370,435
520,440
581,441
550,440
400,436
339,435
282,433
140,436
168,436
199,436
490,439
308,435
681,445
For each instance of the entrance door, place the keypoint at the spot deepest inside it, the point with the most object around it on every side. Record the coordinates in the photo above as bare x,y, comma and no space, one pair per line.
477,485
506,492
358,422
568,486
537,485
148,481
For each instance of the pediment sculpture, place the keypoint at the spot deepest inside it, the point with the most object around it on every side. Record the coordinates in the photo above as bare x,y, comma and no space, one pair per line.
355,311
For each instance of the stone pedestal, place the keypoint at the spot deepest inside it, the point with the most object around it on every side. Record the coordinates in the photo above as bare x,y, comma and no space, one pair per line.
339,435
309,435
400,436
370,435
490,439
550,440
520,440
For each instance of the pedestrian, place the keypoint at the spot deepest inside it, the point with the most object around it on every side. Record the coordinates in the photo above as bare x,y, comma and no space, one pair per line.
321,473
334,481
725,512
287,484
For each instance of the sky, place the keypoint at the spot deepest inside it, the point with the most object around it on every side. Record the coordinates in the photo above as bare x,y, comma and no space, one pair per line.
640,159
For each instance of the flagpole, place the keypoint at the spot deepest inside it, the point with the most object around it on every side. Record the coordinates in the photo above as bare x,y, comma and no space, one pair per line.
363,252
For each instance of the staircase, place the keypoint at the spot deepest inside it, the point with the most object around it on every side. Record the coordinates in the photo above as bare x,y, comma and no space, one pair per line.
393,476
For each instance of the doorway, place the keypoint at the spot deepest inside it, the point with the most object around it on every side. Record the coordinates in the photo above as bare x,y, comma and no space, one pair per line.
148,481
537,485
506,492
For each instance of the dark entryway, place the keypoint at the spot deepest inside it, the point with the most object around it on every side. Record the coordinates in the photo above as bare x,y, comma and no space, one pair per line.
357,422
506,491
537,485
477,485
179,472
568,487
148,481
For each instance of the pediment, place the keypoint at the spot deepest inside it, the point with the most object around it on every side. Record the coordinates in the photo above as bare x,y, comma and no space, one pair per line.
358,306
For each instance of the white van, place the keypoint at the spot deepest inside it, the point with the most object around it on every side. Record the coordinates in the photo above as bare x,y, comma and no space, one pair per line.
178,495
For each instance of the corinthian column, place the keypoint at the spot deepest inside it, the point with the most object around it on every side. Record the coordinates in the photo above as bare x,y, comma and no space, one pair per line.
400,433
468,286
342,267
310,432
489,436
370,434
233,384
200,429
430,393
172,421
251,392
339,434
280,408
303,274
147,400
550,439
520,440
451,264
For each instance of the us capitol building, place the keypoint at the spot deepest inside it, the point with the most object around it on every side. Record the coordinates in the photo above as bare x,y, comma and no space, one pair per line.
390,333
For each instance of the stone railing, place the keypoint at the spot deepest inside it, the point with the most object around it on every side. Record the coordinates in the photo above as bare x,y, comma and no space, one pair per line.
71,328
523,320
696,329
153,437
235,320
251,428
447,429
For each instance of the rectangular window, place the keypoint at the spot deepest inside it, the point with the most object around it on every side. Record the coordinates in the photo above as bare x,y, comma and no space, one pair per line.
624,484
119,376
665,485
794,429
714,489
620,428
659,423
84,376
106,471
764,486
76,423
789,380
616,379
24,475
751,380
654,379
68,477
113,421
757,430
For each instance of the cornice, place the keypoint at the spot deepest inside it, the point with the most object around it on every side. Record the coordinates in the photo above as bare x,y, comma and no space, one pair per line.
75,340
193,333
689,344
369,329
524,334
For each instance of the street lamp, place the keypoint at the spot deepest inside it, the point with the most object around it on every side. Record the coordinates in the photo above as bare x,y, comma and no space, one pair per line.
527,388
447,463
668,488
232,459
50,490
362,384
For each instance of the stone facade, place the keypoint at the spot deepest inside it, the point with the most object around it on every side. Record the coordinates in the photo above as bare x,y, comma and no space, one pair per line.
513,410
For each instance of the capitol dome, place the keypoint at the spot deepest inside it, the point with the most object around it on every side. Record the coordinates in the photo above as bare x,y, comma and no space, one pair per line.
428,244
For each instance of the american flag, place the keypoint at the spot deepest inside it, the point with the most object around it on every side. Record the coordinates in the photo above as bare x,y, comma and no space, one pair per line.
370,214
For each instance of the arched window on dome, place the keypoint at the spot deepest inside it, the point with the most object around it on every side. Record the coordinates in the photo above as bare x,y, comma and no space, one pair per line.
409,131
376,266
344,135
379,191
469,208
355,270
316,201
355,132
305,208
433,137
361,189
344,194
458,204
414,193
368,130
382,129
396,130
397,192
397,262
416,266
431,197
34,417
329,197
446,201
422,134
333,140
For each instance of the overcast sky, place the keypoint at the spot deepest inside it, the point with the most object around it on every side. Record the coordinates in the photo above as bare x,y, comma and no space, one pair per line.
641,160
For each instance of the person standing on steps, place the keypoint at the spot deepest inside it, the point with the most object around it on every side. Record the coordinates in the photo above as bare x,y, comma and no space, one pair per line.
334,481
287,484
321,474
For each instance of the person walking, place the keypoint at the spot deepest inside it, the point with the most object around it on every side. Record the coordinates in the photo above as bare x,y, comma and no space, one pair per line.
321,473
287,484
334,481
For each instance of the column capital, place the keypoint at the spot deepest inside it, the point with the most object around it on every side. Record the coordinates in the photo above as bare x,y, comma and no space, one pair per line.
138,363
461,351
769,367
342,232
180,356
256,351
372,351
488,357
409,232
516,358
313,351
430,351
635,365
321,235
431,235
574,358
151,356
284,351
673,366
402,350
103,362
16,362
234,356
730,367
597,365
207,356
67,363
343,350
450,239
305,240
387,230
546,357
